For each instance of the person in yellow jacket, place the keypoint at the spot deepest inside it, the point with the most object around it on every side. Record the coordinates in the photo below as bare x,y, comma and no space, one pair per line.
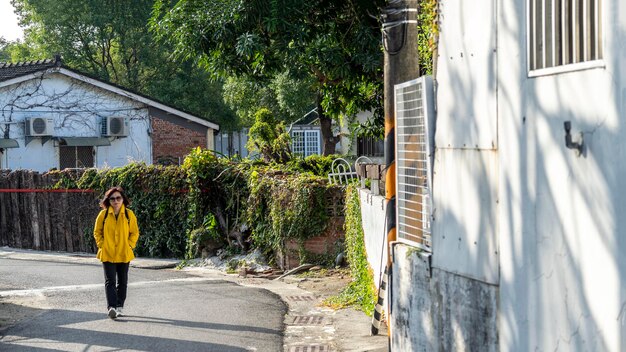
116,234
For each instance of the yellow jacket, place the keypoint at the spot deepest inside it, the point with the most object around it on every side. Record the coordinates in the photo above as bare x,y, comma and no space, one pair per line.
116,238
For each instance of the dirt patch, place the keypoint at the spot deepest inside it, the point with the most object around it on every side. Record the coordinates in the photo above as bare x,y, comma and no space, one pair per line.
323,282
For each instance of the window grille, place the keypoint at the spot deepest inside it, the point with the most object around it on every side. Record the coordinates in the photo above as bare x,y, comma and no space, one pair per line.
413,109
564,32
305,142
370,146
75,157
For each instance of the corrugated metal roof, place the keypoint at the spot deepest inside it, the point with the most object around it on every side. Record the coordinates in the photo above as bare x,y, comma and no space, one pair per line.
10,70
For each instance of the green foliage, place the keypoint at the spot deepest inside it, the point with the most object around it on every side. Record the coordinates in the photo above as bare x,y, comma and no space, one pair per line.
373,127
315,164
287,97
286,207
200,237
360,292
157,197
177,207
269,137
334,46
427,33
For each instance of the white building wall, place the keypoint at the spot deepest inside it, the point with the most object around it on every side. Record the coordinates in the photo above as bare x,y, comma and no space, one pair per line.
78,110
562,218
505,183
466,167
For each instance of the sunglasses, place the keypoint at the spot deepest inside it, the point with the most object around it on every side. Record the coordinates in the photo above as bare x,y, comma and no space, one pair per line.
115,199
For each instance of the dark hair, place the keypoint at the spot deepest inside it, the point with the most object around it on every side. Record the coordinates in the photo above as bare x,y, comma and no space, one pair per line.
105,202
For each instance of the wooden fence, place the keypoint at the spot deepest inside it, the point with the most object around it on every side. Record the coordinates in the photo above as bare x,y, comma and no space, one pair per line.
33,216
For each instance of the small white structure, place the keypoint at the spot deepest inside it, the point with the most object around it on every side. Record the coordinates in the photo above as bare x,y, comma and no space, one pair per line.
55,117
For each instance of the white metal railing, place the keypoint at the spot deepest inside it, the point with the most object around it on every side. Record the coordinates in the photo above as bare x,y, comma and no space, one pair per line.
413,109
341,172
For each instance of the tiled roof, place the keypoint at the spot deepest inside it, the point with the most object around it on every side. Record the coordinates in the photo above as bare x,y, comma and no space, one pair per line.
11,70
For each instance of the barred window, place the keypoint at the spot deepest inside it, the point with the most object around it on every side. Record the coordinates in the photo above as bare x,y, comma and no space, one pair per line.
564,32
75,157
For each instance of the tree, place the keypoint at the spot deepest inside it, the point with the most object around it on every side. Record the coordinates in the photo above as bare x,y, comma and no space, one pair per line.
287,98
335,45
110,39
269,137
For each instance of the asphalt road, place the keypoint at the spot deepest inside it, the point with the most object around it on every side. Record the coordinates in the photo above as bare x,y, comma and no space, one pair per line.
167,310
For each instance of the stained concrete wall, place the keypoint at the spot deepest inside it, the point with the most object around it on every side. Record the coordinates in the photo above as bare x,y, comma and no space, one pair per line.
434,310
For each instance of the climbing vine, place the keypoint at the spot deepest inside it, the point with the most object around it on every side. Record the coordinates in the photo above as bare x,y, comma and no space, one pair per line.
210,202
360,292
427,34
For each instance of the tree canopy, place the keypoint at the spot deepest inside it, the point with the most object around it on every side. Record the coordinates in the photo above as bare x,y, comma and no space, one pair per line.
334,45
110,39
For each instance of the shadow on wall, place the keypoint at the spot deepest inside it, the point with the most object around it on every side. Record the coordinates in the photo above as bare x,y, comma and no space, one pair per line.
561,216
558,219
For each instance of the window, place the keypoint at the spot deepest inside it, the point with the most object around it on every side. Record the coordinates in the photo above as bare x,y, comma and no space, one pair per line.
75,157
305,142
563,32
370,146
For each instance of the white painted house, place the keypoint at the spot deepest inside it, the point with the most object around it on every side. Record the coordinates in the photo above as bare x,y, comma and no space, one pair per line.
54,117
526,240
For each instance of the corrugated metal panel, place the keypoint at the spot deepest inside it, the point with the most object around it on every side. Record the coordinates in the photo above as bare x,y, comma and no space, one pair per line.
465,238
467,76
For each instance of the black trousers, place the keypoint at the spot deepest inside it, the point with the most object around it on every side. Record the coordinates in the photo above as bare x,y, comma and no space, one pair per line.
115,283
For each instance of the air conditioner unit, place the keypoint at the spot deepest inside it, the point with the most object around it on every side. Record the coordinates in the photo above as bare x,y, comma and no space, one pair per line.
115,127
39,126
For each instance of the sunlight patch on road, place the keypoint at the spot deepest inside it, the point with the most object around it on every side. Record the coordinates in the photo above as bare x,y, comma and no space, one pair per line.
52,289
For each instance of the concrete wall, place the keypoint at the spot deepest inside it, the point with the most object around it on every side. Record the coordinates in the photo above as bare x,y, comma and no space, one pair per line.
78,110
439,311
373,219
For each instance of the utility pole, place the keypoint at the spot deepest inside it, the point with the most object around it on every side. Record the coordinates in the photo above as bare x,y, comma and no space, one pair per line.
401,65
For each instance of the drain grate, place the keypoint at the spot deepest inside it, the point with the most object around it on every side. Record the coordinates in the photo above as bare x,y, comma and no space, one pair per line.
308,320
300,298
310,348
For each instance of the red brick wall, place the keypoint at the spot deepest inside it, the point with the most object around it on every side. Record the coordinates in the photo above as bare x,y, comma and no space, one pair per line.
171,142
323,244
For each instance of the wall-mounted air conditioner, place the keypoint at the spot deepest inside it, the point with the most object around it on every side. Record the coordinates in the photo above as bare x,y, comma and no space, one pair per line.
39,126
115,127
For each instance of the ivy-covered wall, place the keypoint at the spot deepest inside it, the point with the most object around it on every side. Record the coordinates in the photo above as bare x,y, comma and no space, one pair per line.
208,201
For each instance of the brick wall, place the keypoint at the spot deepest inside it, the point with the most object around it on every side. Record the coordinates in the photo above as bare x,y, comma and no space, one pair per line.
328,243
171,142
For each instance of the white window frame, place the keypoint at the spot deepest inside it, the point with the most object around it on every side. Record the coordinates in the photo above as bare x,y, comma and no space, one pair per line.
307,146
563,55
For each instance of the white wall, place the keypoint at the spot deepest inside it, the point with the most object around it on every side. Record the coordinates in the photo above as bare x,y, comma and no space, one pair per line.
78,110
464,229
562,218
348,145
375,235
516,213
